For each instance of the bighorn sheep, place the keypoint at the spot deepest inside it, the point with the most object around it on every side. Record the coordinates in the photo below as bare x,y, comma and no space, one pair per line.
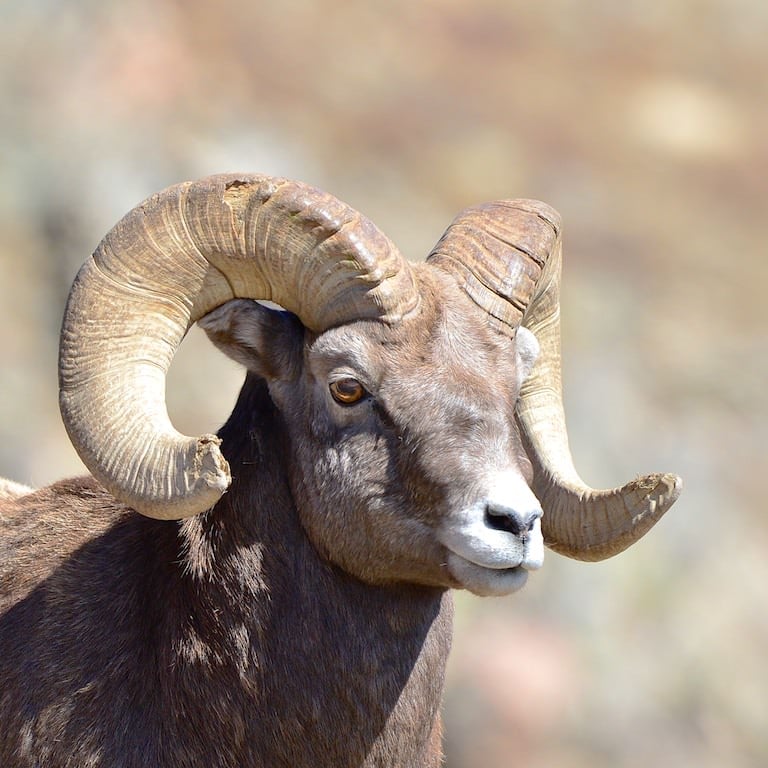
278,595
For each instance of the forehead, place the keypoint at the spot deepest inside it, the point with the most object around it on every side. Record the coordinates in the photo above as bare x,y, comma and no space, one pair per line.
448,336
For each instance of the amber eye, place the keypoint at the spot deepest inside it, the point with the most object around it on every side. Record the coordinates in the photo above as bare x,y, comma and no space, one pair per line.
347,391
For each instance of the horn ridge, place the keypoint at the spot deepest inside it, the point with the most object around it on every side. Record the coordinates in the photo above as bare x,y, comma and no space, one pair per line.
496,252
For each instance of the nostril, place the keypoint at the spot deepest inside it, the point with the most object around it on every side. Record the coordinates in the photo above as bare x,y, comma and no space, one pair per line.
511,521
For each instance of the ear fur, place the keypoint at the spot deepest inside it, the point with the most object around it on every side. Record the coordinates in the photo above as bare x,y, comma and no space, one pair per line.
526,353
266,341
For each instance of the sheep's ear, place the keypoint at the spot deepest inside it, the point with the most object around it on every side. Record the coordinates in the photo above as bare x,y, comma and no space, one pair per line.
526,353
266,341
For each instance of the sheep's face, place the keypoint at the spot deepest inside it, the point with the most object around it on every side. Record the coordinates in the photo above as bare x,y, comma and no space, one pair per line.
405,453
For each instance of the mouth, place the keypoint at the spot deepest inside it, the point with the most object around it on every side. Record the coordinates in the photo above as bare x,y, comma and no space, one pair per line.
491,562
484,581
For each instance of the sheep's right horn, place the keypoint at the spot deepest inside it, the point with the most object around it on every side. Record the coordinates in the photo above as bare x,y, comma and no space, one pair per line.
507,257
173,259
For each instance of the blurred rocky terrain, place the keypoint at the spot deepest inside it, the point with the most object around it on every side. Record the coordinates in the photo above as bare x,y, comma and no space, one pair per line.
644,124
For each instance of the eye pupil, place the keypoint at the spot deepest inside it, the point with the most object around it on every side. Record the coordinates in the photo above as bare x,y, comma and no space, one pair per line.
347,391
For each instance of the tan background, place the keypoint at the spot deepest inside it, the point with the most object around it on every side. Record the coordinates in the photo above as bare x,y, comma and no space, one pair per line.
644,123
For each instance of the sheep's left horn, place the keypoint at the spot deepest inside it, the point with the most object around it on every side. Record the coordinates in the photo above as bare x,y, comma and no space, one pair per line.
507,257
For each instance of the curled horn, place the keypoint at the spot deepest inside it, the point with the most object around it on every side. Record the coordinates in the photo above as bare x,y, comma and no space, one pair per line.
168,262
506,256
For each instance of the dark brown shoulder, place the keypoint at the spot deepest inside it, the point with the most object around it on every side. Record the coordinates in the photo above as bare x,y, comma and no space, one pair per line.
40,529
73,495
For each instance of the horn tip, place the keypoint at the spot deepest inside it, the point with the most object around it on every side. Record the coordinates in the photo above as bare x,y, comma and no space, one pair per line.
205,477
644,501
666,492
210,469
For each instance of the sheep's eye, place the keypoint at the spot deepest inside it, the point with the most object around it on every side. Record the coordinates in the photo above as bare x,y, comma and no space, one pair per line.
347,391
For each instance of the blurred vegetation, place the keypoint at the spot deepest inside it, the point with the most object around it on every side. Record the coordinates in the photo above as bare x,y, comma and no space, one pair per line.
645,124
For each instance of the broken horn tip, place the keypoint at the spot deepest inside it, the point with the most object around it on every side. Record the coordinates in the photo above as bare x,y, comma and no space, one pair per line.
672,488
659,492
210,465
667,484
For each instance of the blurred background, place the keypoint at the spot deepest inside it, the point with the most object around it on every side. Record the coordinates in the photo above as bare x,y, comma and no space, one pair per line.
643,123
